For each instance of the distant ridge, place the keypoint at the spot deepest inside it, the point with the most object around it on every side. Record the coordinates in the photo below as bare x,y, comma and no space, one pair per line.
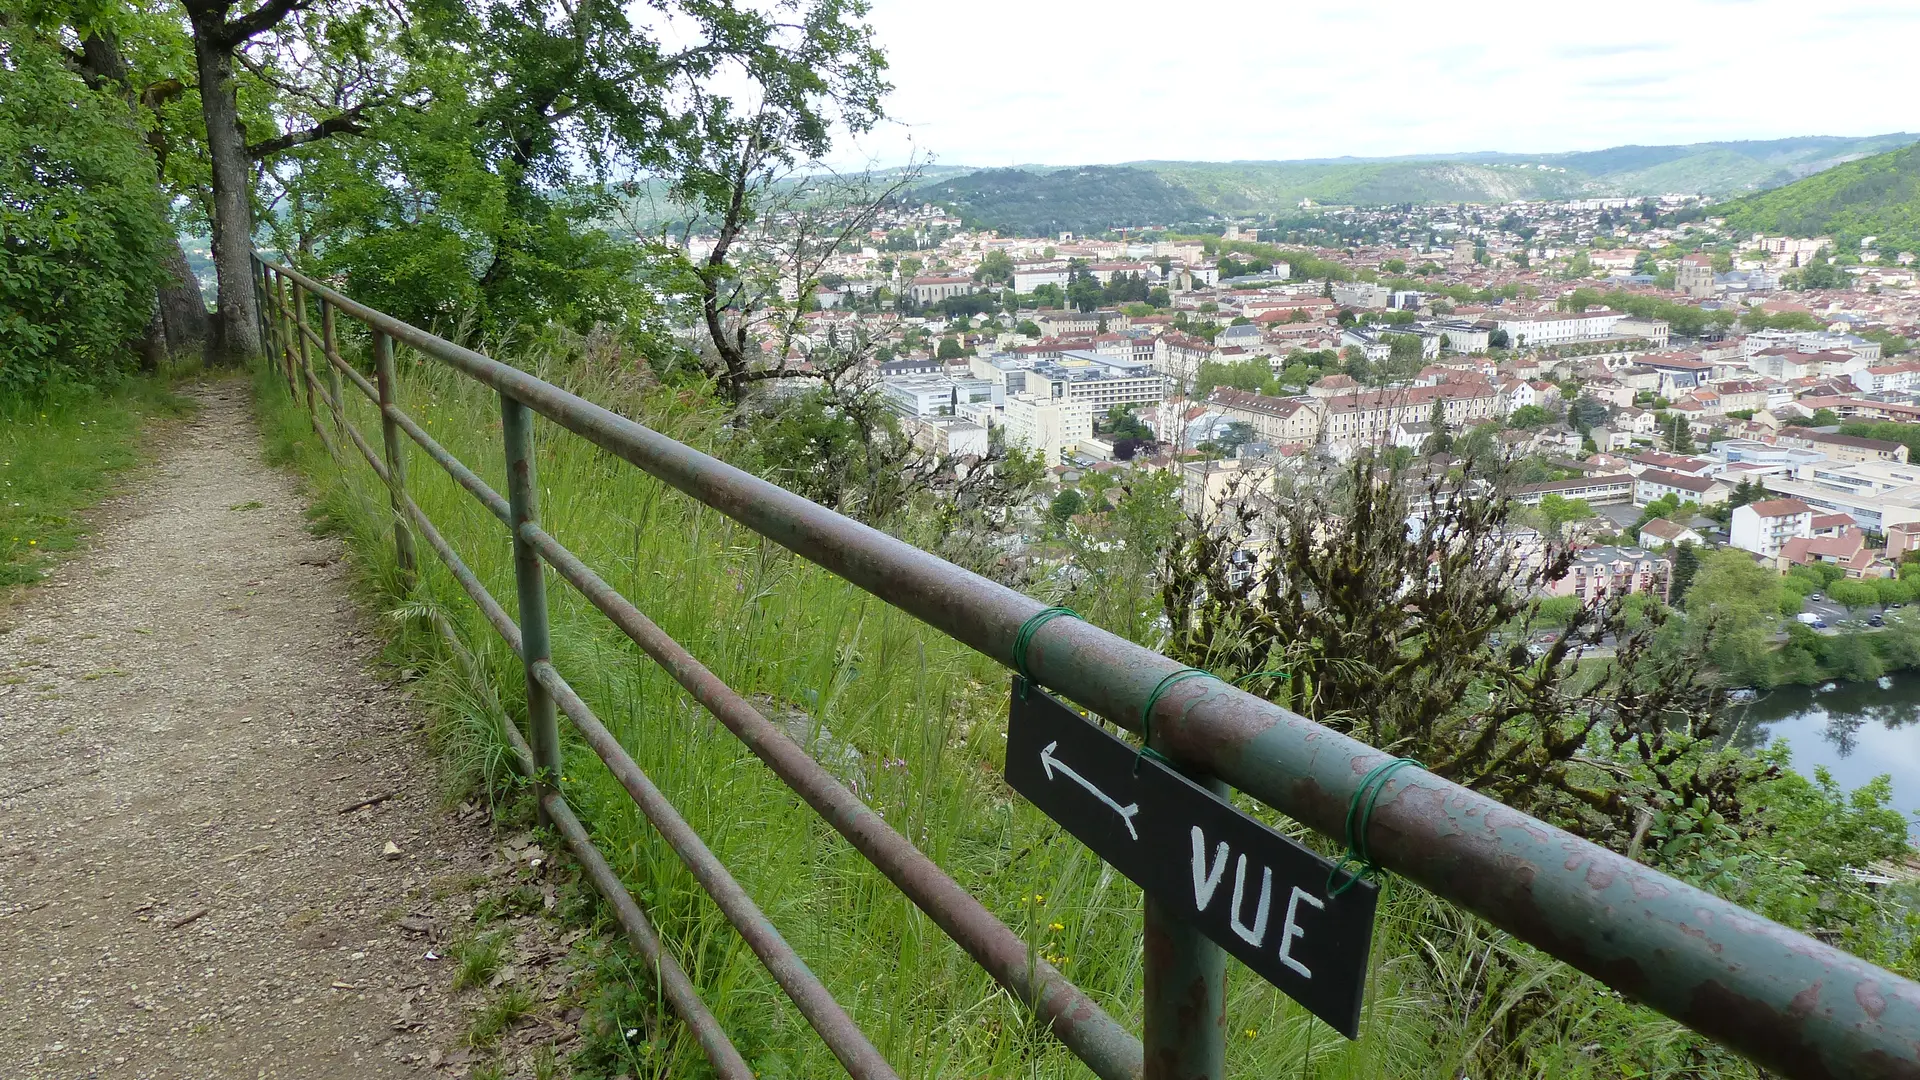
1036,199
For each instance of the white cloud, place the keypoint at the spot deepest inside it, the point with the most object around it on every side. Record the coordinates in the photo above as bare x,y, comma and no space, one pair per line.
998,82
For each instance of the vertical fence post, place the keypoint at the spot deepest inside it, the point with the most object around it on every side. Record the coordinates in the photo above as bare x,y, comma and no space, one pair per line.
1184,1020
396,455
305,353
516,424
260,302
329,348
286,335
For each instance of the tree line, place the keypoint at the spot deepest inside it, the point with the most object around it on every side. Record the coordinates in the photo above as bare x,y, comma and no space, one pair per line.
462,166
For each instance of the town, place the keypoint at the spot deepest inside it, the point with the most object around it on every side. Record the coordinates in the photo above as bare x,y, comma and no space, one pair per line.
1657,380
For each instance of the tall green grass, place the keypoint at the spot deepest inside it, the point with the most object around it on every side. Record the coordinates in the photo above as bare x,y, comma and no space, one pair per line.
1448,997
60,452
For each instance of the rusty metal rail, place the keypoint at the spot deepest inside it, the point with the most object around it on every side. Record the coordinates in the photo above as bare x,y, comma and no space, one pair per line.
1785,1000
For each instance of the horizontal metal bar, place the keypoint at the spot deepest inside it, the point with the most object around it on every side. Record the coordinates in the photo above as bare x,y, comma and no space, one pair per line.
340,364
503,624
1783,999
465,477
674,983
836,1028
1083,1026
809,995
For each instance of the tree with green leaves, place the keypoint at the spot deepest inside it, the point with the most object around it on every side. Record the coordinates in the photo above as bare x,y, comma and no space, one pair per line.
1556,512
1676,434
996,267
1065,506
1686,566
1853,594
140,57
81,233
1528,417
1441,440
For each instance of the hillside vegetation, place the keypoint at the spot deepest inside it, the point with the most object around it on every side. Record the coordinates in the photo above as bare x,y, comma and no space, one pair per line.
1877,196
1091,199
1036,200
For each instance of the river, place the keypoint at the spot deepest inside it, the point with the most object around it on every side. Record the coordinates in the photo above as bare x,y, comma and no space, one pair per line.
1857,730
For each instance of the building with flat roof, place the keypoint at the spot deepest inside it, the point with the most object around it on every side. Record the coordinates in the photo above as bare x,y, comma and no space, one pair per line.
933,395
1593,490
1876,494
1101,380
1047,426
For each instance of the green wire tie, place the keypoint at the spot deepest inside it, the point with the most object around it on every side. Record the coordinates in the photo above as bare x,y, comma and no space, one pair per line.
1166,683
1023,638
1359,815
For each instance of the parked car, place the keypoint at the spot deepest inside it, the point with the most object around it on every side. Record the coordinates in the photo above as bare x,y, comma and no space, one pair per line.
1875,620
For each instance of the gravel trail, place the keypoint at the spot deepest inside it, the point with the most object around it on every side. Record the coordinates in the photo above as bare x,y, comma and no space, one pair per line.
186,710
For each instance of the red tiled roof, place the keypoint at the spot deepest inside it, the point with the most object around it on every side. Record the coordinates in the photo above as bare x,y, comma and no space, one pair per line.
1770,508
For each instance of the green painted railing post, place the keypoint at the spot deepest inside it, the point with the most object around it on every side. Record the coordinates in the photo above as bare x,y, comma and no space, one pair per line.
329,349
260,304
284,308
300,330
395,453
516,425
1184,1019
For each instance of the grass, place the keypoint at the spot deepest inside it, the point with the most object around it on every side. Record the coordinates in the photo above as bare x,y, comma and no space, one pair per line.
61,454
1447,996
507,1007
477,958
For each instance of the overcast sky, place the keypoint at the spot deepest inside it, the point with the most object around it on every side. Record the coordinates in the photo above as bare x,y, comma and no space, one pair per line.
1002,82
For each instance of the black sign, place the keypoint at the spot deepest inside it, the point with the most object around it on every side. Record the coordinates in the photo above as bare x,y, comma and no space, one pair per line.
1261,896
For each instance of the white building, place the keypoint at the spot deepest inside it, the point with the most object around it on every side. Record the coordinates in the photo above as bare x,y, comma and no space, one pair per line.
1100,380
1875,494
916,396
1549,328
1028,278
1361,294
1764,527
1658,483
1047,426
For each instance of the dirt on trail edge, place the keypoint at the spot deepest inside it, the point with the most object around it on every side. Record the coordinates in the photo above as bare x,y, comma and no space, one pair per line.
187,711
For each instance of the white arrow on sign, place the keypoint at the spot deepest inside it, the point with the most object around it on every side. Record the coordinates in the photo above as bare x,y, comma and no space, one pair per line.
1048,763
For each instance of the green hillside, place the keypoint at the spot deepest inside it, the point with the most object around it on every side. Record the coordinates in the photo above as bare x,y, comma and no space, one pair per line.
1258,187
1718,168
1090,199
1876,196
1036,200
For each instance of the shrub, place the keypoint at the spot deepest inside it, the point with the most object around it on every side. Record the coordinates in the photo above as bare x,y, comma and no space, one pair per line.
80,225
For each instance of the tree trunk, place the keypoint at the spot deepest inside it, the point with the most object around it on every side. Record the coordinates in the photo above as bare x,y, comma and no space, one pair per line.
236,326
183,324
183,310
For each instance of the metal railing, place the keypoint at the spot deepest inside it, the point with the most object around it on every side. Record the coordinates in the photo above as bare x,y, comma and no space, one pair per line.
1784,1000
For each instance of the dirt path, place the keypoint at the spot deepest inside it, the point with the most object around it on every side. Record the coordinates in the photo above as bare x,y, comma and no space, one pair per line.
185,710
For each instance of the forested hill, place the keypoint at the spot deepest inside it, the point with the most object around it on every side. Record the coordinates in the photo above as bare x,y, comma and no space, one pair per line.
1090,199
1042,200
1876,196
